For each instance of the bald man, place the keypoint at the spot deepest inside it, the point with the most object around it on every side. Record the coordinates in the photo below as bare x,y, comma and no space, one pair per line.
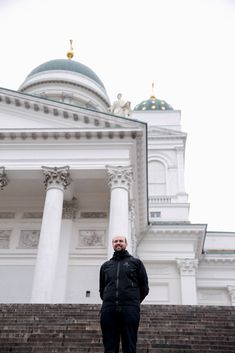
123,286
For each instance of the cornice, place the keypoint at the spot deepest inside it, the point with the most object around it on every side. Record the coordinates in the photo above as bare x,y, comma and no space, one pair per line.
68,134
183,232
217,259
176,230
66,111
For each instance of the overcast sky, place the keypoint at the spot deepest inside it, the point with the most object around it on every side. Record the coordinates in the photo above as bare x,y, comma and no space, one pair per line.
187,47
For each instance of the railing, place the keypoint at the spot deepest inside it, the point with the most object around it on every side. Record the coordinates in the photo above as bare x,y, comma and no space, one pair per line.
160,199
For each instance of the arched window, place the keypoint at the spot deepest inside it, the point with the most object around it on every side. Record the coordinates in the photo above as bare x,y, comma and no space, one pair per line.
157,178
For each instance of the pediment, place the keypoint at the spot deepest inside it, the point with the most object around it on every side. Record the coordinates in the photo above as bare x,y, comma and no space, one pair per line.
22,111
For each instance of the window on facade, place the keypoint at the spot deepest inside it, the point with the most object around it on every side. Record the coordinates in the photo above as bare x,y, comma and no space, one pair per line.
157,178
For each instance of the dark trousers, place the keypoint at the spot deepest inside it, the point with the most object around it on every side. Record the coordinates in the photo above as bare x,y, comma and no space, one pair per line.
120,322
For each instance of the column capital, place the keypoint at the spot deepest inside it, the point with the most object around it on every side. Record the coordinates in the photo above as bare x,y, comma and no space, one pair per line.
3,178
56,177
187,267
120,176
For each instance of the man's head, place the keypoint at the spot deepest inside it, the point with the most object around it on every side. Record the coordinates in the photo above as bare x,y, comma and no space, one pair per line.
119,243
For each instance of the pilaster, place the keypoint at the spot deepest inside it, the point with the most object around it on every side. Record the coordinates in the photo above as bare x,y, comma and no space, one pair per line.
188,269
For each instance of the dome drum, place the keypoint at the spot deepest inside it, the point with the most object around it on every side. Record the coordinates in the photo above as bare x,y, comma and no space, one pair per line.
62,76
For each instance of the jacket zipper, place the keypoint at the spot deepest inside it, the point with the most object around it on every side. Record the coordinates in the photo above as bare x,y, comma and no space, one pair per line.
117,281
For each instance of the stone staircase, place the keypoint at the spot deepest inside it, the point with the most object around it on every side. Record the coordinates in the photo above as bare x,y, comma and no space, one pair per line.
74,328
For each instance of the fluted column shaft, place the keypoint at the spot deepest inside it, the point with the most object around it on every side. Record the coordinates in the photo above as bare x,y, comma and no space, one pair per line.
69,214
120,179
56,180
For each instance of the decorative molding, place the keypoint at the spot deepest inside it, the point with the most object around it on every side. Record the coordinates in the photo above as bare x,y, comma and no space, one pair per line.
120,176
29,239
187,267
91,238
82,134
176,232
32,215
70,209
219,252
5,238
93,214
218,260
7,215
57,176
3,178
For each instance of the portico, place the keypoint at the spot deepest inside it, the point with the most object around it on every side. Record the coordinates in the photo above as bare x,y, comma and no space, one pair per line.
79,162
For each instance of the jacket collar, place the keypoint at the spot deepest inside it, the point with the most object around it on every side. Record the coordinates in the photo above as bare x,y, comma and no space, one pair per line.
120,254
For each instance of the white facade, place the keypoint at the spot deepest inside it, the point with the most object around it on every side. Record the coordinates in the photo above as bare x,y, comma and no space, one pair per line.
73,175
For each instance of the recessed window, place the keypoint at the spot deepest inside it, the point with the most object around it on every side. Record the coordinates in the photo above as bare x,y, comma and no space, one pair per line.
156,178
88,294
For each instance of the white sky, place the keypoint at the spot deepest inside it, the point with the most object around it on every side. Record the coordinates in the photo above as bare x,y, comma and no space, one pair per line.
187,47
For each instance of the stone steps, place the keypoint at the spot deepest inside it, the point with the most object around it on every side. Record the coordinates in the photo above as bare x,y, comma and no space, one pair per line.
74,328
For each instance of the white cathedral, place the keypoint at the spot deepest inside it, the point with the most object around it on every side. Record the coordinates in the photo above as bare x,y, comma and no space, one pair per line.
76,170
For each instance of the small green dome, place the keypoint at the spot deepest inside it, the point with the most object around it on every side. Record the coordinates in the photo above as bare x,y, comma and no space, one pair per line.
67,65
153,104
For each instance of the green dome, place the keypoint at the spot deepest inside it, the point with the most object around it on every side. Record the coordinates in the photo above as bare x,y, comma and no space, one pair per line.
67,65
153,104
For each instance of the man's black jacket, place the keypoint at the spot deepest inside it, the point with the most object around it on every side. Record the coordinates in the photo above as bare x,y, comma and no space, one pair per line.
123,280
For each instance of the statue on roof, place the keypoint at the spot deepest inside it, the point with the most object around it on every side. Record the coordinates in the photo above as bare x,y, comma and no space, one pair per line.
120,107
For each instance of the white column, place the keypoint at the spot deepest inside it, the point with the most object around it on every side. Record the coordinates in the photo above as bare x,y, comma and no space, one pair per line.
56,180
69,214
120,179
187,268
231,291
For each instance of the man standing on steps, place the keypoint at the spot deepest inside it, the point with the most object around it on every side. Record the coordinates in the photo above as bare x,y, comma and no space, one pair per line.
123,286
